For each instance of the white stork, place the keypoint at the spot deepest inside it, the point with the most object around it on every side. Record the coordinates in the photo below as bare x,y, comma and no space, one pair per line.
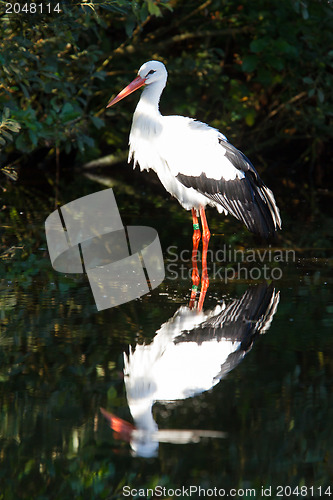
195,162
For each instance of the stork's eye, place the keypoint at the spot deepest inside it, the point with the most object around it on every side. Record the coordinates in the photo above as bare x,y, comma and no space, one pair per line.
151,72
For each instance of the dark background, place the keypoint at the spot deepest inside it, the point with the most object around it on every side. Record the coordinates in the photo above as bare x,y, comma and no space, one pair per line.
261,72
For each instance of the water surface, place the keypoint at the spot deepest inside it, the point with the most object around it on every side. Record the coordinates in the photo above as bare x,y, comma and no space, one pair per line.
266,422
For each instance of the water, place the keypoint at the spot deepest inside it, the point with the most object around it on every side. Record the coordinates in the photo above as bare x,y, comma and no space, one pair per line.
266,423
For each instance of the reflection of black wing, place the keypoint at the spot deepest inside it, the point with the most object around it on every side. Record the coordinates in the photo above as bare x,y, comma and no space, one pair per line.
240,321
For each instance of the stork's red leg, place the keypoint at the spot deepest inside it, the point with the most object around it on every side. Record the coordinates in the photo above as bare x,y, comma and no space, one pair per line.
195,271
205,242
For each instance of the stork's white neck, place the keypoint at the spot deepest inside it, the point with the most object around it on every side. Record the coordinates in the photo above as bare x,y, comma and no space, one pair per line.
147,124
150,98
147,117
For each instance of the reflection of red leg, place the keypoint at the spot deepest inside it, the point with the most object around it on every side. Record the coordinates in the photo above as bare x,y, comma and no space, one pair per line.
195,271
196,240
205,242
203,291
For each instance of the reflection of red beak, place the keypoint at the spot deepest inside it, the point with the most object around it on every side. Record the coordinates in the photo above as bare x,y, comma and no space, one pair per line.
136,84
122,428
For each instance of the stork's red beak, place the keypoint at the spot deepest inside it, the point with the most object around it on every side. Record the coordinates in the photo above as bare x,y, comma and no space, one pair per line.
136,84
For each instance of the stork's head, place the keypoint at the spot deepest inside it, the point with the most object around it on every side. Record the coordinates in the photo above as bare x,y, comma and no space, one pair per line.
150,72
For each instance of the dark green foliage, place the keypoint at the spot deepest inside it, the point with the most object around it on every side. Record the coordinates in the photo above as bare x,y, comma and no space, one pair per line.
53,67
259,71
7,127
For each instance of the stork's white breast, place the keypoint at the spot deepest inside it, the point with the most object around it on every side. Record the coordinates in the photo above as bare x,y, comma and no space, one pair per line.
181,145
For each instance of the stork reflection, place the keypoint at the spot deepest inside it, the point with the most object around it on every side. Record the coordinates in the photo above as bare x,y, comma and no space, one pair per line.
190,354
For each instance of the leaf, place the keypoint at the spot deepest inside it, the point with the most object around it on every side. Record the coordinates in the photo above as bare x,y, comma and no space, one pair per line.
80,145
250,63
305,12
321,95
111,394
143,13
29,466
250,118
88,140
264,76
153,9
277,63
55,104
48,120
6,135
66,109
10,172
33,137
6,112
68,112
98,122
25,91
101,75
22,144
13,126
258,45
68,147
167,5
130,25
284,47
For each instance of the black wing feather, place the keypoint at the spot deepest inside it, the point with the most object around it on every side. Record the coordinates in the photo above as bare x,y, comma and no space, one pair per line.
247,199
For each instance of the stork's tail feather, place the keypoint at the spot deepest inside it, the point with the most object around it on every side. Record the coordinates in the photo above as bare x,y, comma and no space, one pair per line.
266,218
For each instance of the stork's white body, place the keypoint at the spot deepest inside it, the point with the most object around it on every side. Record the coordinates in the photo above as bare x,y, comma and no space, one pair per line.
150,140
195,162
